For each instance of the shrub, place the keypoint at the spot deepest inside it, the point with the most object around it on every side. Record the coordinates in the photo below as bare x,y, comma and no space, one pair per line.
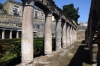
11,49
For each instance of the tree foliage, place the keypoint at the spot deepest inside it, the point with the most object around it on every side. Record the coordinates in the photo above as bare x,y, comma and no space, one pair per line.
1,6
71,12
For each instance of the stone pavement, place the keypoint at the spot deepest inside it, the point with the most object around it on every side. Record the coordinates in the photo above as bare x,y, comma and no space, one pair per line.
76,55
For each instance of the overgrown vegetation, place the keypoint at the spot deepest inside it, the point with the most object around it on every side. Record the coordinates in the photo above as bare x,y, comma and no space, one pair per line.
10,50
1,6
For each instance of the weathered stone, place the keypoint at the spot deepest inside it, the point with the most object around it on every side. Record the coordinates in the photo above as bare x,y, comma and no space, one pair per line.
58,34
48,33
27,32
64,43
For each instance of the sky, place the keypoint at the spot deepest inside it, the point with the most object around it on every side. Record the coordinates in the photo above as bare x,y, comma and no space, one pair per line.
84,7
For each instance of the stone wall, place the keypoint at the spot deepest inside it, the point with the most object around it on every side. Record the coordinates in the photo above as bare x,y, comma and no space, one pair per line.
10,21
81,33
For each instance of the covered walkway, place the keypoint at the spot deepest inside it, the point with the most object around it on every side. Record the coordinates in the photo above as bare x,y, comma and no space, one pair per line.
76,55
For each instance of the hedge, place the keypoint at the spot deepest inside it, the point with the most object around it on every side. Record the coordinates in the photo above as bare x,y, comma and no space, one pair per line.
10,50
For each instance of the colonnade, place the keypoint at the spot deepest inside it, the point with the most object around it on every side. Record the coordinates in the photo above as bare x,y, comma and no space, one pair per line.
9,34
65,33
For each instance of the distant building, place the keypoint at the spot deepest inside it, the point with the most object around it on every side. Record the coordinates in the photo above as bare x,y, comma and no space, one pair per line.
13,8
82,23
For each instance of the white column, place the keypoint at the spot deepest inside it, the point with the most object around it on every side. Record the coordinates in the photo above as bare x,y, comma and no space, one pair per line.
10,34
27,32
68,39
72,35
69,34
75,35
64,45
17,34
3,34
58,33
48,33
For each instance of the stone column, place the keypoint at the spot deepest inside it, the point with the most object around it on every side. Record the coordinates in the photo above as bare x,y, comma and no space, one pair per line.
58,33
3,34
10,34
27,32
69,34
73,35
76,35
64,43
17,34
48,33
68,39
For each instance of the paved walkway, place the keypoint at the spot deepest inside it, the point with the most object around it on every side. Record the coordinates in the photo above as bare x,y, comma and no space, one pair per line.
76,55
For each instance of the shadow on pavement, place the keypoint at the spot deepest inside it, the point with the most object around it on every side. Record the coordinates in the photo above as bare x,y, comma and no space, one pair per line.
81,56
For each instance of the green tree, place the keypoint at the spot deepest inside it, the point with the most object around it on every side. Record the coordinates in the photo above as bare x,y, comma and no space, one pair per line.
1,6
71,12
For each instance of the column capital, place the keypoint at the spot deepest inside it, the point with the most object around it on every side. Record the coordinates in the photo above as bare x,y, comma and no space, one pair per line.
29,3
48,13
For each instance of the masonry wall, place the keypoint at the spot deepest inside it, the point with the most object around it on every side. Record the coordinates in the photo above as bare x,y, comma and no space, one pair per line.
81,33
8,21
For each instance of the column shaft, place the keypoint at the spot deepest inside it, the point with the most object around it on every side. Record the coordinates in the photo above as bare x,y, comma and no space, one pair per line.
72,35
17,34
3,34
27,32
64,45
69,34
48,33
10,34
68,39
58,34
